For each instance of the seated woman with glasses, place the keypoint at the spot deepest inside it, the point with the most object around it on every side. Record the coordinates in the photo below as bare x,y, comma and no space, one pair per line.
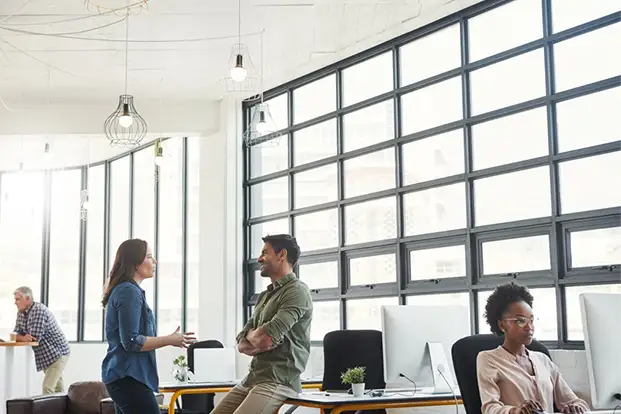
512,379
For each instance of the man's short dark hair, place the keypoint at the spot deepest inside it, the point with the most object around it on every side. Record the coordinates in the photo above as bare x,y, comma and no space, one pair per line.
286,242
499,301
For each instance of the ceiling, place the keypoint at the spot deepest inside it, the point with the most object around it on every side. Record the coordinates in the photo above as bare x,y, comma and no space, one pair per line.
37,67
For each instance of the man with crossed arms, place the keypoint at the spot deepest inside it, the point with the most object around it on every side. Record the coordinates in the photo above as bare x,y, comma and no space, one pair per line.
277,335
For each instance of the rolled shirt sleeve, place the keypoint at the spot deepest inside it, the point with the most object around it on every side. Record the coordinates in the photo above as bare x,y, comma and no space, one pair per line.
129,303
294,305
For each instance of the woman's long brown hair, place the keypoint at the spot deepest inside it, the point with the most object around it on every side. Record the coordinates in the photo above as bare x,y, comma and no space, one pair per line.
130,254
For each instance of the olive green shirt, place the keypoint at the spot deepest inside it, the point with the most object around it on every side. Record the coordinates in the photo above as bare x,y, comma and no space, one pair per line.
286,311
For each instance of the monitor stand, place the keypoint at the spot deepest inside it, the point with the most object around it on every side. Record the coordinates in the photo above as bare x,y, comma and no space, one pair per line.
435,361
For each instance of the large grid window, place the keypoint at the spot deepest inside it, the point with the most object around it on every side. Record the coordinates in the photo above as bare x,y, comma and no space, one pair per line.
446,162
45,244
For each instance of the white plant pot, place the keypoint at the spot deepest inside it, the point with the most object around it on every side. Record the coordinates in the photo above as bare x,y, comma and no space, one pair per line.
357,389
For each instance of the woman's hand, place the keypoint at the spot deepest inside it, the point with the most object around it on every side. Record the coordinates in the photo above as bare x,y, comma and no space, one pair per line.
181,340
527,407
572,409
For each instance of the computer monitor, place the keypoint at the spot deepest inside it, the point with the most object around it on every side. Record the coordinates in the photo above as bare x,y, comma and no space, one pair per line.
416,343
602,337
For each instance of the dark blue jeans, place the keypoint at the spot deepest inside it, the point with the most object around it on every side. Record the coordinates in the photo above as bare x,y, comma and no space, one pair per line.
132,397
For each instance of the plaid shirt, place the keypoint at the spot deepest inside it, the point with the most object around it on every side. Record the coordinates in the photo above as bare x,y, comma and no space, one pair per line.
39,322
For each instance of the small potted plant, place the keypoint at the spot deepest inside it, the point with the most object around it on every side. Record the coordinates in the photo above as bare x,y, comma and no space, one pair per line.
180,371
355,378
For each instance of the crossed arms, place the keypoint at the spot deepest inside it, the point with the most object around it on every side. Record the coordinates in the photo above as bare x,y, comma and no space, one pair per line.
294,304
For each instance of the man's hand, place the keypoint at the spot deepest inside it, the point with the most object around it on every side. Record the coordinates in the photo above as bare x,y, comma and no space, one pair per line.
260,339
527,407
25,338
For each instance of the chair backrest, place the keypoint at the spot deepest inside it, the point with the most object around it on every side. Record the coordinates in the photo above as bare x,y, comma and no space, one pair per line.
347,349
212,343
464,353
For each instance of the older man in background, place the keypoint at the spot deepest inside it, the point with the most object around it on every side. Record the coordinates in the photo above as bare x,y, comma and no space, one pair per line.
35,323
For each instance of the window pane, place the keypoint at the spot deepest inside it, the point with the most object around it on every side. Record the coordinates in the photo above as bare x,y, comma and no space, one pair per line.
436,209
441,299
513,24
432,106
357,86
21,228
318,230
269,197
369,173
119,205
582,183
260,283
570,13
510,139
367,313
370,221
515,196
588,120
315,99
326,318
434,157
598,247
438,263
278,107
170,241
544,309
368,126
95,276
523,254
572,307
586,58
258,231
420,59
64,250
269,157
144,206
372,270
315,186
320,275
507,83
313,143
193,224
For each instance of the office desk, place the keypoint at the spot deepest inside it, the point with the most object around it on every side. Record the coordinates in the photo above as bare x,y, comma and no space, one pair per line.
339,403
211,388
336,402
9,362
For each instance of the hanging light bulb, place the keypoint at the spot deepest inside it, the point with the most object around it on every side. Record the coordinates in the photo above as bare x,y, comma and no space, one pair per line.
126,120
262,127
159,153
238,72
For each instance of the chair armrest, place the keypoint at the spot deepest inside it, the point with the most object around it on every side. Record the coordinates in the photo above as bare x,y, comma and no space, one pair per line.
40,404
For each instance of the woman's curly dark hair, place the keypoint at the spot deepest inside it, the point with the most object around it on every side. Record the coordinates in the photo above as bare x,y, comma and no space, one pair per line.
499,301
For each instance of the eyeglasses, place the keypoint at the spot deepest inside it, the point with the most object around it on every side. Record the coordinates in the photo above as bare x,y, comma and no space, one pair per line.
522,321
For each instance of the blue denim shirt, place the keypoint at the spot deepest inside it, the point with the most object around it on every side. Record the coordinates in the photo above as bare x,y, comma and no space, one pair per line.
129,320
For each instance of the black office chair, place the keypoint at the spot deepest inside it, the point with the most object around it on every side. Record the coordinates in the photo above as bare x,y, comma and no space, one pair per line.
199,403
353,348
464,353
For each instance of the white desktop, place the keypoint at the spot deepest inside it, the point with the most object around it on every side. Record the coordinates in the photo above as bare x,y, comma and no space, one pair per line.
602,339
416,344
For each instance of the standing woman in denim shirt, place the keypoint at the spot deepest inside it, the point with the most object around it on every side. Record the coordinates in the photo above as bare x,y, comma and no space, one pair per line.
129,369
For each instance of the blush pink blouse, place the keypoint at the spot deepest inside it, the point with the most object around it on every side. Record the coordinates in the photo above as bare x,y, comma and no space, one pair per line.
504,384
